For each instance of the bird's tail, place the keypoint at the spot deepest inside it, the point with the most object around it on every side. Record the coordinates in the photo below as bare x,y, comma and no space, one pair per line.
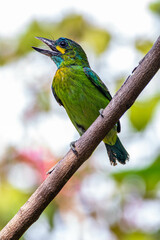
117,152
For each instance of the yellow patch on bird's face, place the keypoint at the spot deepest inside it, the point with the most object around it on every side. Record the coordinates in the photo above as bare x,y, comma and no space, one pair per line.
62,50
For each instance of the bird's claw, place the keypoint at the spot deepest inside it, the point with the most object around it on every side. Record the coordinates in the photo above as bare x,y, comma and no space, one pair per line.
101,112
73,147
113,162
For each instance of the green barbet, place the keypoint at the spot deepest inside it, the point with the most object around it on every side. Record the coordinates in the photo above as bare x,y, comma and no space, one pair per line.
81,92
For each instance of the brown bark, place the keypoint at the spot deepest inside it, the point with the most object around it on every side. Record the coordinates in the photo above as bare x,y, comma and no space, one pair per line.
86,144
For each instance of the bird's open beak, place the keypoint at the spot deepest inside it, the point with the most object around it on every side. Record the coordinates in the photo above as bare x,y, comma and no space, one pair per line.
50,44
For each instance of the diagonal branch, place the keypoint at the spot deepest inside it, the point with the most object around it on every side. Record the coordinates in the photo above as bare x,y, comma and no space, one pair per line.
86,144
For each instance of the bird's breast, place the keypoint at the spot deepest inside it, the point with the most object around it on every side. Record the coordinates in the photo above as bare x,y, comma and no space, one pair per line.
81,99
68,82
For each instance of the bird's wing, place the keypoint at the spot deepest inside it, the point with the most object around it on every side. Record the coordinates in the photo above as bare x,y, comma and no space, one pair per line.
56,97
93,77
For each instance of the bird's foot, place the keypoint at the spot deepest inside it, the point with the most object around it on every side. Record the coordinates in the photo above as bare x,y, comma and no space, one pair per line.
73,147
101,112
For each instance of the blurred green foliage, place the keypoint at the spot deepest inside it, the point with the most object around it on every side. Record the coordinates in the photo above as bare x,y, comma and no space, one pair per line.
155,7
10,201
148,175
27,39
73,26
133,235
143,45
141,112
49,212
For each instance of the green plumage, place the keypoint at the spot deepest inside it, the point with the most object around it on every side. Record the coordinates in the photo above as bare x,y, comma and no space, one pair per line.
81,92
81,99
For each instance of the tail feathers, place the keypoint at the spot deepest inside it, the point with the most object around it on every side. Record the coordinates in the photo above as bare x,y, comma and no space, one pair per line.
117,152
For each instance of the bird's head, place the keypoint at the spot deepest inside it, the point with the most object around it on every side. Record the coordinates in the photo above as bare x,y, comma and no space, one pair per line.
64,52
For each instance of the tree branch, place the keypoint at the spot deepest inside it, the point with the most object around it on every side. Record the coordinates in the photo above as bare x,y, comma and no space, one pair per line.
86,144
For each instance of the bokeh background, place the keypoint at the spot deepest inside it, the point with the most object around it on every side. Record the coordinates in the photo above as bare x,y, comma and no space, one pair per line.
100,201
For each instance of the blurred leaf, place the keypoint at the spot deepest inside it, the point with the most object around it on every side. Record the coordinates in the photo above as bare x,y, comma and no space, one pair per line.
27,39
141,113
157,235
138,236
77,28
150,175
130,235
14,48
98,39
50,211
10,202
155,7
73,26
143,45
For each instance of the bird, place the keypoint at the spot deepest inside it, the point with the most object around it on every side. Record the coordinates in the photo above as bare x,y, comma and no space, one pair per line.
81,92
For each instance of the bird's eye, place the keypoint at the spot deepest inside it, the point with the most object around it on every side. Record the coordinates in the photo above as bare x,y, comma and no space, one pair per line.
62,43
